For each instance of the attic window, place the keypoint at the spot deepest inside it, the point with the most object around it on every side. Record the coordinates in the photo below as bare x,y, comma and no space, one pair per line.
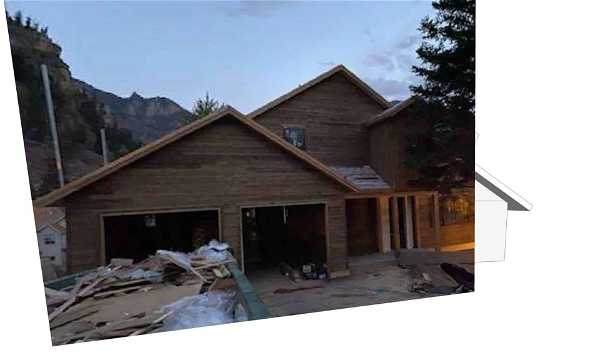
295,136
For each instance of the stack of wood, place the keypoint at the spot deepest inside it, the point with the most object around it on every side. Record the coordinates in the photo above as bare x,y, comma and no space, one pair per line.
103,304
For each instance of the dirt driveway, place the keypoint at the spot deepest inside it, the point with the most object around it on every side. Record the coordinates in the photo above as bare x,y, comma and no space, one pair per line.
367,285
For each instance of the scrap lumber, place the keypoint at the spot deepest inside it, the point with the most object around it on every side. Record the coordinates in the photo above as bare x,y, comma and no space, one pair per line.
105,294
51,293
121,262
73,315
88,289
97,315
152,326
72,299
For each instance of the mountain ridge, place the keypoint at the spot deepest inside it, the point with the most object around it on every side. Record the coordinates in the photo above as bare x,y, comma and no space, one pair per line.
147,118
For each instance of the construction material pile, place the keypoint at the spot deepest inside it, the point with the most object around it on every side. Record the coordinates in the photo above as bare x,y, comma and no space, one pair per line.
167,291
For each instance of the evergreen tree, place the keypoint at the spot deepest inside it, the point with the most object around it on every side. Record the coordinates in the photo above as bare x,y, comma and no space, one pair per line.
19,18
202,107
442,138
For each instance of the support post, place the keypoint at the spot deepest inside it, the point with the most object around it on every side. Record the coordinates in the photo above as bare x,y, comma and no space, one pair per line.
52,121
395,223
383,225
417,224
436,219
409,221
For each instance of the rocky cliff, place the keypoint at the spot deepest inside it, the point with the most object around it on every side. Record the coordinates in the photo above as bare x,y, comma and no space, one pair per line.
81,111
79,117
146,118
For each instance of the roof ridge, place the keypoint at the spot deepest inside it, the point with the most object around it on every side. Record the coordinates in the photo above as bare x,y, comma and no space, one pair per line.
389,112
316,80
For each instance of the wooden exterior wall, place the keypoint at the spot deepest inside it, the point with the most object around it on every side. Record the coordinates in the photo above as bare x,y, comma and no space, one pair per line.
425,221
332,113
387,154
224,166
457,211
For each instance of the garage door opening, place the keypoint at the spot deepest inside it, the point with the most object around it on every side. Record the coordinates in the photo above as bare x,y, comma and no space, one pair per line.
136,236
294,235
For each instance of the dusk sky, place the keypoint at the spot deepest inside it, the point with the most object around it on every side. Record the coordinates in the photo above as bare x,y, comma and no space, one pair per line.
243,54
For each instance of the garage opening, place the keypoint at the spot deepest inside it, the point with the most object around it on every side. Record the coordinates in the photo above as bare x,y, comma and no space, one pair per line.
136,236
294,235
361,222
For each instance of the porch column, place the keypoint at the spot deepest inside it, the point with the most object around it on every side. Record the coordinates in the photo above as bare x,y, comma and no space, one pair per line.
384,242
436,219
395,223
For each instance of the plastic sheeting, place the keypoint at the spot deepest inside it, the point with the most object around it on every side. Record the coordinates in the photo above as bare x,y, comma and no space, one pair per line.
214,251
210,308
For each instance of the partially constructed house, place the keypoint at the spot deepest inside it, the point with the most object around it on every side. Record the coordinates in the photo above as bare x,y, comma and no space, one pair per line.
315,176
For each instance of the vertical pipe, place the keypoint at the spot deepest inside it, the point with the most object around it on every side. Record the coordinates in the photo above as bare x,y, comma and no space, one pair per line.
104,148
52,121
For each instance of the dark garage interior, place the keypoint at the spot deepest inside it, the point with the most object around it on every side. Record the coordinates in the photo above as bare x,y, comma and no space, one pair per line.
291,234
138,236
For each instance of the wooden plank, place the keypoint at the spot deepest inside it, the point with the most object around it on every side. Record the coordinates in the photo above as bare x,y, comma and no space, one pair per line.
395,223
73,315
105,294
417,217
72,299
436,220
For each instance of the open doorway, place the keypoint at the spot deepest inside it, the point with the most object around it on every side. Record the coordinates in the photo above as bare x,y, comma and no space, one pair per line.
138,235
406,214
361,222
290,234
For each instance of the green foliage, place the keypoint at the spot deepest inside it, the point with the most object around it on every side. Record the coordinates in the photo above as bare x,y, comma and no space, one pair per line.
120,141
202,107
29,23
442,137
18,18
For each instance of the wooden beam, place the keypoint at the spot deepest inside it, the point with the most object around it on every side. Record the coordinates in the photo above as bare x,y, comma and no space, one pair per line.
436,220
417,224
383,225
395,223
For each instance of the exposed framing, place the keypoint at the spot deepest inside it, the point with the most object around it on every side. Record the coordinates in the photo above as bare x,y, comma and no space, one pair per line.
150,211
242,207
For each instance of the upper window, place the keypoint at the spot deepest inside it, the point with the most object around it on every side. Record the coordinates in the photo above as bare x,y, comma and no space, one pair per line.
295,136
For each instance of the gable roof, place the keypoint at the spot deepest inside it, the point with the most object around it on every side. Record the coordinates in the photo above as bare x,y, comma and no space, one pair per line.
390,112
300,89
515,201
133,156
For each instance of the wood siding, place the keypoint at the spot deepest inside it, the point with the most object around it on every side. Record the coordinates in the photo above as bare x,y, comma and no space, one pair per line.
332,113
425,221
224,166
457,211
387,153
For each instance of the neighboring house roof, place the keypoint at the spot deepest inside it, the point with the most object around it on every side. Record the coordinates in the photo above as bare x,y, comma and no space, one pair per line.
133,156
60,228
362,177
300,89
515,201
390,112
47,216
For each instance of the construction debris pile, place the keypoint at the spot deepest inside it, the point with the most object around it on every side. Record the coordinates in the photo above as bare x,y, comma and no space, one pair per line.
311,271
167,291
